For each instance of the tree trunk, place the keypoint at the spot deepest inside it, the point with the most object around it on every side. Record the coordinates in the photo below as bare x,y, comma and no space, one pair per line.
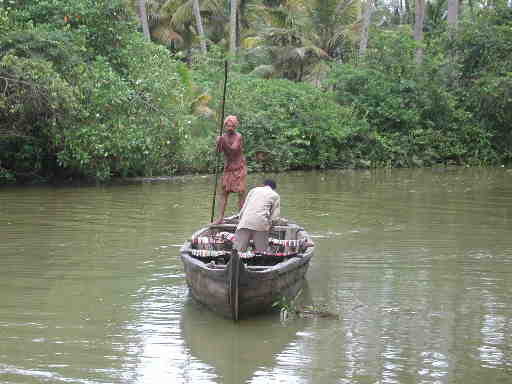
367,15
471,9
144,18
232,28
453,13
199,24
418,28
238,26
407,12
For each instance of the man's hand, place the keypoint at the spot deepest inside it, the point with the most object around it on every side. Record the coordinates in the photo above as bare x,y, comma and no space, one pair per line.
280,221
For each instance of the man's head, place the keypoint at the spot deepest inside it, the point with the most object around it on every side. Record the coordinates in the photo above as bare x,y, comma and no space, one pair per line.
270,183
230,123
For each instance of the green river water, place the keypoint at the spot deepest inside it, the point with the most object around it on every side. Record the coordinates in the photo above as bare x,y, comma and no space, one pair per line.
417,263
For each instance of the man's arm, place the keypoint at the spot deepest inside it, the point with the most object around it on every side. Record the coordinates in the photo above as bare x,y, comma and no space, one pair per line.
248,197
219,143
276,210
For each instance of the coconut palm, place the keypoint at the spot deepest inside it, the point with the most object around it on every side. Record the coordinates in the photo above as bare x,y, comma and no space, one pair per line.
157,22
302,35
182,23
332,23
292,55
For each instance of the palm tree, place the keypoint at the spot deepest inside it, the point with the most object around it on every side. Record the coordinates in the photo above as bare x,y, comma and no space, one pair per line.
331,23
302,35
292,55
171,22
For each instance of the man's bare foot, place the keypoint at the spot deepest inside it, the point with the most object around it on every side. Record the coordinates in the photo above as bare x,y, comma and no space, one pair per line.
218,221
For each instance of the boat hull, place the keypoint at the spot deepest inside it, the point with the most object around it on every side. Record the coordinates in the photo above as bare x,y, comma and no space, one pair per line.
253,292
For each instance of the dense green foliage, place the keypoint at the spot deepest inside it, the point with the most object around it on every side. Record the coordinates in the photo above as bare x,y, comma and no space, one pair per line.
293,125
485,57
82,94
416,117
297,125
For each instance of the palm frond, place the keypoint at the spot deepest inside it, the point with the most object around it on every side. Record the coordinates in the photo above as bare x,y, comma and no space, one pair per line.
182,15
317,73
167,35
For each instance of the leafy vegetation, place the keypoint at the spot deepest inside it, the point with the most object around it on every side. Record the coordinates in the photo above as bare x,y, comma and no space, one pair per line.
293,308
84,95
295,125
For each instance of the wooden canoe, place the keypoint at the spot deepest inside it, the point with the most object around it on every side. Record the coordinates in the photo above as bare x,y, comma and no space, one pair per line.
238,285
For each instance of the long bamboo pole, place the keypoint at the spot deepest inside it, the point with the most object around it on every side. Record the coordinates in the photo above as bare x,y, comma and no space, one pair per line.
221,123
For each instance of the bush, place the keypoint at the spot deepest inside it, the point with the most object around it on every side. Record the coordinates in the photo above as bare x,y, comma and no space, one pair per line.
295,125
484,52
74,106
417,118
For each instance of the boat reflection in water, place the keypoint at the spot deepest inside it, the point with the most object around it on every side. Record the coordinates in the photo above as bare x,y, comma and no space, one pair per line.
237,350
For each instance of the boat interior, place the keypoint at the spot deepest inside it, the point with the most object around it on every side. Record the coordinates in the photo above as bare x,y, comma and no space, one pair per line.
214,244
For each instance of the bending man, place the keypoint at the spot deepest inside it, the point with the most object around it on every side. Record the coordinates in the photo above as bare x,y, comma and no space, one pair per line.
262,206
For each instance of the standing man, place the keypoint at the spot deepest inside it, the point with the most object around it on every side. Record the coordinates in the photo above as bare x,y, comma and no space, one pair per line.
233,178
261,208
